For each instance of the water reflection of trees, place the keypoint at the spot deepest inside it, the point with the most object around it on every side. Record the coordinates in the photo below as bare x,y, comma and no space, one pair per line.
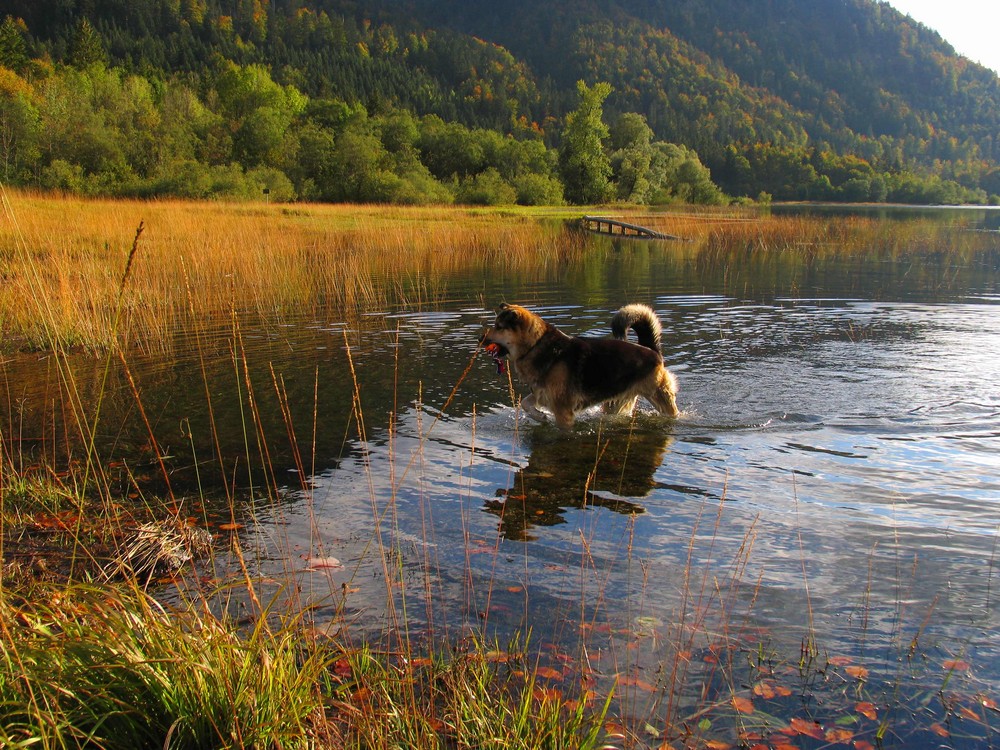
607,468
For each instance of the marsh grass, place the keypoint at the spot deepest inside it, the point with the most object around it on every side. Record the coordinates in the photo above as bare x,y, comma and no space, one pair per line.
200,261
109,667
232,663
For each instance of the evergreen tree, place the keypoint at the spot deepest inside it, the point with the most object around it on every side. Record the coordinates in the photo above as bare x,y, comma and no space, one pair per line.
86,47
13,47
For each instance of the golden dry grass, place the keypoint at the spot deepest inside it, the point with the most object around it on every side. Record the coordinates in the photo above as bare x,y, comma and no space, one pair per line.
62,260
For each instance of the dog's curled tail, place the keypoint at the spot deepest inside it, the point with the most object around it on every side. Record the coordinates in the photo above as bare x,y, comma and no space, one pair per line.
642,320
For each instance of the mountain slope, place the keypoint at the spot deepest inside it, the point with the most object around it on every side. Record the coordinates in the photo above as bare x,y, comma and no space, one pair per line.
846,72
841,99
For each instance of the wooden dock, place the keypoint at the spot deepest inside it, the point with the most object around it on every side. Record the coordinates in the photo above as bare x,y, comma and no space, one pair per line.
616,228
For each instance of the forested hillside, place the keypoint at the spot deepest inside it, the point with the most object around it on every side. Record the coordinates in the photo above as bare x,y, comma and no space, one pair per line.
493,102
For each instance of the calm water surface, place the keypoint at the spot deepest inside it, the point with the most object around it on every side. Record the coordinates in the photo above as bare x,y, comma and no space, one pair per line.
834,480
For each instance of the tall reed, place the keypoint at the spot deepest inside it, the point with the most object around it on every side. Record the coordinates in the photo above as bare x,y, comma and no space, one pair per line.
201,260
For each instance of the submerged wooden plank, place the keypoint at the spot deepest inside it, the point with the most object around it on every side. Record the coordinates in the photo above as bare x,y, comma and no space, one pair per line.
607,225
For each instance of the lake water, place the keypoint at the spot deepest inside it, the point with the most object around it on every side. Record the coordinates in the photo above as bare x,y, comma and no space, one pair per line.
821,519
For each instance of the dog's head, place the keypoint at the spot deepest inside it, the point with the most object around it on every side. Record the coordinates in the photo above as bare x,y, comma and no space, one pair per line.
514,330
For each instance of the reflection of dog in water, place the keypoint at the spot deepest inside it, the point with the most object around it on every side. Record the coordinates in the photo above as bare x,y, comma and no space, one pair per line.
599,469
567,374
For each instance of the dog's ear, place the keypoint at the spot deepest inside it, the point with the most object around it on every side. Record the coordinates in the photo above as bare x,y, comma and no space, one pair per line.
503,306
507,317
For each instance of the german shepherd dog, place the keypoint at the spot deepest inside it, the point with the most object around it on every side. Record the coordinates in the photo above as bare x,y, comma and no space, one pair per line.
567,374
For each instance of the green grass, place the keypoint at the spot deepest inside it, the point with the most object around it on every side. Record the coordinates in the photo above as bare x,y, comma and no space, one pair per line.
109,667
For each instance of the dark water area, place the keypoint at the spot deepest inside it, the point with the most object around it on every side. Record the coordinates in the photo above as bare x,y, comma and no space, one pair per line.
833,481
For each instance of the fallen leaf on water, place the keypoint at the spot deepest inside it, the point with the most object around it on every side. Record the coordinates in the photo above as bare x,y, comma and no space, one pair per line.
840,661
769,690
808,727
867,710
743,705
718,745
548,673
939,730
843,736
968,713
628,681
615,730
230,526
958,665
858,673
863,745
547,694
318,563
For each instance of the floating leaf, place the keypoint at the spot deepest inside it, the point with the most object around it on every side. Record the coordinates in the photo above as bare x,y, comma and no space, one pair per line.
840,661
939,730
230,526
858,673
957,665
718,745
863,745
743,705
629,681
808,727
839,735
548,673
769,690
867,710
318,563
547,694
614,730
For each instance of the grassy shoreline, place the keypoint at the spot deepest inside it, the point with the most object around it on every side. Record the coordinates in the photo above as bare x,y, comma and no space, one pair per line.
92,659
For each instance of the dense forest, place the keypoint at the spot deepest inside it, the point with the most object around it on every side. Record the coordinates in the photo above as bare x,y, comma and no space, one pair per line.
507,101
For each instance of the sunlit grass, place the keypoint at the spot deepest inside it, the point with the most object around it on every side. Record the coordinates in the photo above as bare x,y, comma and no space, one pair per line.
103,667
109,666
62,260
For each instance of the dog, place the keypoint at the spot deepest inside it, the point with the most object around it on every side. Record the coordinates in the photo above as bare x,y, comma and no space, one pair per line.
567,374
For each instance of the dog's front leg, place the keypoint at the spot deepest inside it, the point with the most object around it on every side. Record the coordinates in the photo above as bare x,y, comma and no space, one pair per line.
529,408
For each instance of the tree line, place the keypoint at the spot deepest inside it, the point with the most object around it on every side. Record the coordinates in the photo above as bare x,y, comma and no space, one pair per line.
97,130
201,98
